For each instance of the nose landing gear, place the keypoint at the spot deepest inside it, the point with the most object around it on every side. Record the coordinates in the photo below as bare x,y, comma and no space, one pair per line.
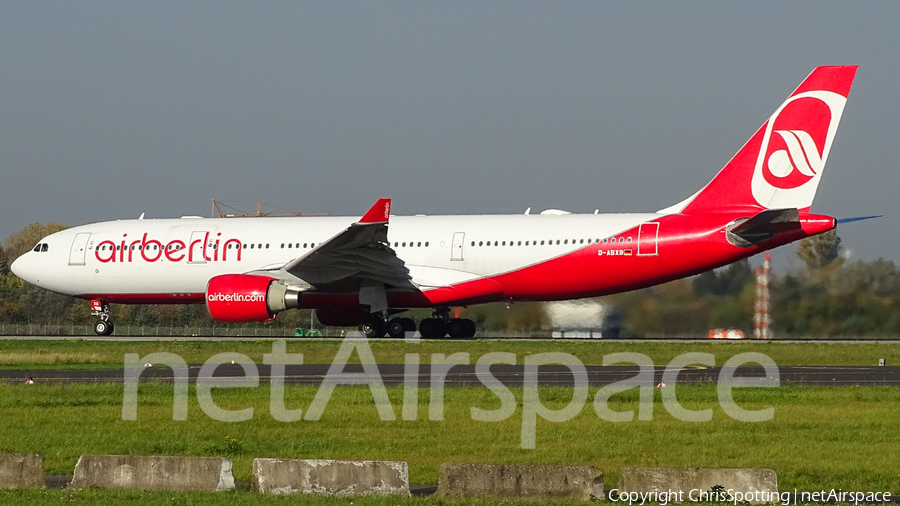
104,326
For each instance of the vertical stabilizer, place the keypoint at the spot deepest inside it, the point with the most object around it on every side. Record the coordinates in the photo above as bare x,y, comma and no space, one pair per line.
781,165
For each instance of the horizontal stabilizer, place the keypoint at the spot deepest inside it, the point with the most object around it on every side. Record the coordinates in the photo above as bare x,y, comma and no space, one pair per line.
763,226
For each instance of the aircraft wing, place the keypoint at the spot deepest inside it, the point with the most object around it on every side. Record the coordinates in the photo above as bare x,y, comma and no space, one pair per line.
359,253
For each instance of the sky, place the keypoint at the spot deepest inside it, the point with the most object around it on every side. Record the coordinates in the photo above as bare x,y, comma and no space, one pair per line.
113,109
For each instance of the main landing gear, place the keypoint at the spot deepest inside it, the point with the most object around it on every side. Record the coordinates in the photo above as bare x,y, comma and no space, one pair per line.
436,327
104,326
380,324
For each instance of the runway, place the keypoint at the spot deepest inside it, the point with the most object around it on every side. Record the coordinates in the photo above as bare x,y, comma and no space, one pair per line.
465,375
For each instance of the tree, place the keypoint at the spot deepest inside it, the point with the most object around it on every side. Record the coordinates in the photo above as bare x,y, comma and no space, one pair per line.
25,239
4,266
728,281
820,250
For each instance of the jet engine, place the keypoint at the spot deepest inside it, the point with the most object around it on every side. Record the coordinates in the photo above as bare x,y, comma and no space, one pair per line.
246,298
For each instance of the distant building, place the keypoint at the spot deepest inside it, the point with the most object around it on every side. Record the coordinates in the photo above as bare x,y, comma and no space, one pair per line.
583,319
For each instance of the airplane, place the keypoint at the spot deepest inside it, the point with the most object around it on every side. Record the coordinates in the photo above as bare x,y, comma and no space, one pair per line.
364,272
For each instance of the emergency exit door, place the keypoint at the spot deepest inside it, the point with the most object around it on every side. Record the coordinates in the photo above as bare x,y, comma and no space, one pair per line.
456,250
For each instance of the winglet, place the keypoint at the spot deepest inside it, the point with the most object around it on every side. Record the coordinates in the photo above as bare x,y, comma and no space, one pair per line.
379,213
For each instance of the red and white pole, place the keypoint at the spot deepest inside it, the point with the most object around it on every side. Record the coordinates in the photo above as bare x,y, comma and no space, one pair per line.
761,318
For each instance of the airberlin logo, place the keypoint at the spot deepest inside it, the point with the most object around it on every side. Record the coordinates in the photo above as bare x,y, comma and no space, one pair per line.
795,145
236,297
197,249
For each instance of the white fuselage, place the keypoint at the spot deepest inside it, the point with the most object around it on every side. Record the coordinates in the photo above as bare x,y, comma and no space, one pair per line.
176,257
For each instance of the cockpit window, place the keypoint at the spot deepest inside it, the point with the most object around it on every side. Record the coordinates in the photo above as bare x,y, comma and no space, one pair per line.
40,248
37,248
44,248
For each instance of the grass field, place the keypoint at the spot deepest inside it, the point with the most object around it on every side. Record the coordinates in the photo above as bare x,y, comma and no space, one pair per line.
820,437
116,497
100,354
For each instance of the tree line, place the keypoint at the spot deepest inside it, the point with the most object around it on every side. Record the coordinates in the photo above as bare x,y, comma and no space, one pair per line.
827,296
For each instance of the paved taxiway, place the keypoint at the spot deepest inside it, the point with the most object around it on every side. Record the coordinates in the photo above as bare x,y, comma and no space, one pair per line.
465,375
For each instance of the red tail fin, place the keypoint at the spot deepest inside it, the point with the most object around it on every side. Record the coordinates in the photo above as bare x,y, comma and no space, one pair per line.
780,166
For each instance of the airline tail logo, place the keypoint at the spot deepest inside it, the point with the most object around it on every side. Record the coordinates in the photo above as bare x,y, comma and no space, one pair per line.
794,148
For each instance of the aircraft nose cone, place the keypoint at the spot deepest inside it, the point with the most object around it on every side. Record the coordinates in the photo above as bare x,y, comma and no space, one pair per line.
20,267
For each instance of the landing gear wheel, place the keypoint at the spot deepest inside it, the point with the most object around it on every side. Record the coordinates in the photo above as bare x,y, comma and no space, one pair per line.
399,327
396,328
457,328
408,325
432,328
103,327
373,329
470,328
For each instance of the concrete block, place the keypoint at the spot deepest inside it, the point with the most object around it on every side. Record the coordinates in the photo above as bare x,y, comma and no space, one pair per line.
330,477
18,470
508,481
139,472
688,483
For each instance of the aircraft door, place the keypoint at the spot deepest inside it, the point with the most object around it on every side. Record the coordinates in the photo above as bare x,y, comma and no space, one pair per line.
456,251
648,235
79,248
195,248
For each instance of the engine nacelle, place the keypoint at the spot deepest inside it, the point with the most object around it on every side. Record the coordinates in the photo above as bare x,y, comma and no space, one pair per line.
243,298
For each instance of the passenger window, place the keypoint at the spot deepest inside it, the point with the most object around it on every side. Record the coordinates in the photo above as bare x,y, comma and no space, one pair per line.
418,245
267,245
621,240
520,243
504,243
473,243
557,241
404,244
480,243
542,243
629,239
426,244
564,242
251,246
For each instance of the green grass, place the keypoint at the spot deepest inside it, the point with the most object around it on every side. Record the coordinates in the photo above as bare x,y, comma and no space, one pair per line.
232,498
101,354
820,437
